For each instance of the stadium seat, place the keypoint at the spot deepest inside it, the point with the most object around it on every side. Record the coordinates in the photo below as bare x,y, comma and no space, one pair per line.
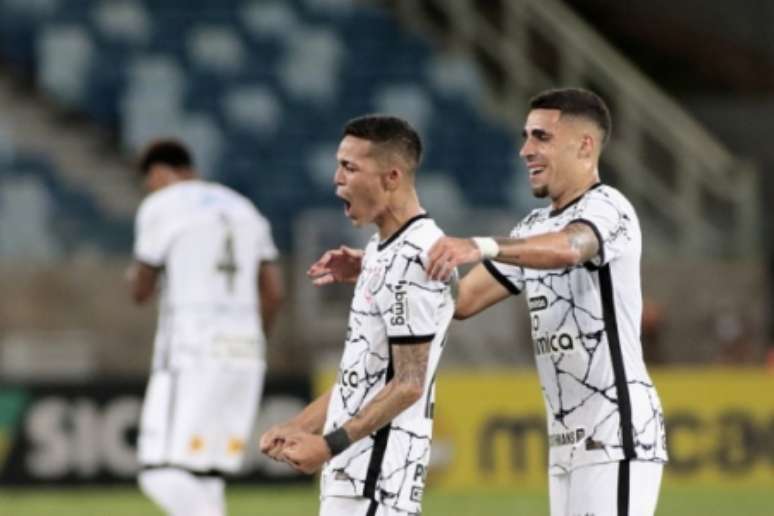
409,100
123,21
25,198
65,54
310,68
253,109
266,19
215,49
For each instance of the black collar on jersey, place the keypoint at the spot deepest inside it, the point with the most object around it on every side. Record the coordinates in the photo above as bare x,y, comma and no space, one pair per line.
403,228
559,211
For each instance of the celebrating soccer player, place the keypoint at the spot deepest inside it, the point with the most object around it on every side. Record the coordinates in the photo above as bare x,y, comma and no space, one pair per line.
578,262
372,429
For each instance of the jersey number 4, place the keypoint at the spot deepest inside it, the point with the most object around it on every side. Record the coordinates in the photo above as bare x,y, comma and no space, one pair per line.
227,264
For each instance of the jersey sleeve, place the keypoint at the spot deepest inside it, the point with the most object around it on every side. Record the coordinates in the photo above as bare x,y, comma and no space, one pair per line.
509,276
267,250
152,234
613,223
410,300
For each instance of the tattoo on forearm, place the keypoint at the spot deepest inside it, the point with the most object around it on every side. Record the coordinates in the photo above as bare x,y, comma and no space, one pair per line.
410,363
582,239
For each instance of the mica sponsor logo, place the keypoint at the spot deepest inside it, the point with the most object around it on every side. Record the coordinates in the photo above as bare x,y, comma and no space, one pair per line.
554,343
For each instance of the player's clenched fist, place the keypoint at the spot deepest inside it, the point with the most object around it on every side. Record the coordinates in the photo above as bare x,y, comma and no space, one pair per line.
340,265
306,452
447,253
274,439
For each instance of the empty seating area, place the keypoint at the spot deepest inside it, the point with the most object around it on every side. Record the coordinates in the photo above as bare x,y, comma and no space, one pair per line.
260,90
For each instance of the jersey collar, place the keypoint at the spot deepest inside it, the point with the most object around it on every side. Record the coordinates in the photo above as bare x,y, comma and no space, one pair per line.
559,211
403,228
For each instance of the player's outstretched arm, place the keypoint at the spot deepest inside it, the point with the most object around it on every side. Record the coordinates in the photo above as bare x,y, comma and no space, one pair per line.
310,420
271,292
307,452
340,265
575,244
477,291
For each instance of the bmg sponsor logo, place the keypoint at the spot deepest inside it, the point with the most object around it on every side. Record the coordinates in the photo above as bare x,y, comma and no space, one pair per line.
400,304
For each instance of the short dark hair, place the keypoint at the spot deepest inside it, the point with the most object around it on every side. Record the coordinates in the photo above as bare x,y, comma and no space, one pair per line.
389,131
576,102
172,153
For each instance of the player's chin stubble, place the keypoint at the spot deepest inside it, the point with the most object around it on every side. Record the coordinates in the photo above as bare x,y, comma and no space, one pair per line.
540,191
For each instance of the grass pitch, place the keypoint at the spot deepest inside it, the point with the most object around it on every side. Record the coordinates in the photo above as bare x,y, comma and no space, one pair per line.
284,501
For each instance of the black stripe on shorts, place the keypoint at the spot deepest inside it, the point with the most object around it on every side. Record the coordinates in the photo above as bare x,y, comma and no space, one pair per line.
624,474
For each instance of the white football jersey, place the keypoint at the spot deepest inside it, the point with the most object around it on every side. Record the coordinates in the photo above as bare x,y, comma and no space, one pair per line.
209,241
395,303
600,401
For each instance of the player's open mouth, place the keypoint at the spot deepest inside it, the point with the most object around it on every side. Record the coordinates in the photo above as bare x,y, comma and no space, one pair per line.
347,206
347,203
535,171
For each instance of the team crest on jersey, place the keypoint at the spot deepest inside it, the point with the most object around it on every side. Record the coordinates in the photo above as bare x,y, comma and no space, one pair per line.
374,281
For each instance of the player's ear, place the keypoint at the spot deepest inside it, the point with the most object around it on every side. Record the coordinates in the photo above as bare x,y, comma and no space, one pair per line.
588,145
393,178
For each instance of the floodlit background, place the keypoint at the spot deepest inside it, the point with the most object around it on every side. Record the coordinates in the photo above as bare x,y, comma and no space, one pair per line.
260,90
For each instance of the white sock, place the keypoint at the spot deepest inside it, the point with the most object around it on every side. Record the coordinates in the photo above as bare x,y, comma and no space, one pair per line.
180,493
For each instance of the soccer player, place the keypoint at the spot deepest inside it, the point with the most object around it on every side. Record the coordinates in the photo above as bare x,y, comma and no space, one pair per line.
578,260
372,429
211,255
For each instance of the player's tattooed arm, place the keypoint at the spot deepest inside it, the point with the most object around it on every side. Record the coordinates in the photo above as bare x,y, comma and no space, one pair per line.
555,250
405,388
583,240
573,245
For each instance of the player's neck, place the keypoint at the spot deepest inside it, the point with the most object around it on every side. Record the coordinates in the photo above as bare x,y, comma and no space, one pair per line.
574,191
397,214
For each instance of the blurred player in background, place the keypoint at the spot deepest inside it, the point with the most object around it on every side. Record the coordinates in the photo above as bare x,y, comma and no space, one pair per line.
578,260
210,253
373,428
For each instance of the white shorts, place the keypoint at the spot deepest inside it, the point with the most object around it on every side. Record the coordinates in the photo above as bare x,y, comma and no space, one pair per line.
345,506
626,488
200,419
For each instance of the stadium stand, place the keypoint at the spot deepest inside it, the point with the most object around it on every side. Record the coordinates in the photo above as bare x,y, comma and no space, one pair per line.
58,219
260,90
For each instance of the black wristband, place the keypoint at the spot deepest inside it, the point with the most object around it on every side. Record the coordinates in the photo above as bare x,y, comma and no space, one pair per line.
337,440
